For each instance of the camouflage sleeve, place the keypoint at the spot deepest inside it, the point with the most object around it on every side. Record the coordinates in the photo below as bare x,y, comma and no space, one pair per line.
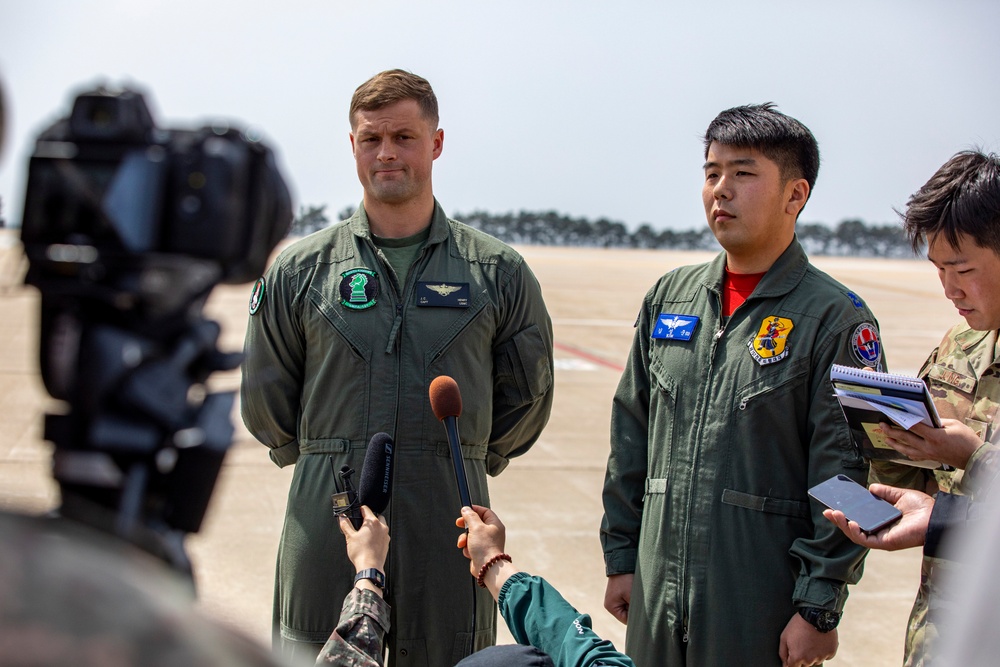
981,471
357,639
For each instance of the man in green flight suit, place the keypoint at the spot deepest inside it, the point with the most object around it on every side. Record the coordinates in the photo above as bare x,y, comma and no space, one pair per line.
724,417
347,330
957,214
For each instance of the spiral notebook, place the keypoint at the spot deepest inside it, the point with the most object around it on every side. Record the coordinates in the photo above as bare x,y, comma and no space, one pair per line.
870,397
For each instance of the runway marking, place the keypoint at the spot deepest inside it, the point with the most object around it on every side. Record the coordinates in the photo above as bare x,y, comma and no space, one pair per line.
583,354
573,365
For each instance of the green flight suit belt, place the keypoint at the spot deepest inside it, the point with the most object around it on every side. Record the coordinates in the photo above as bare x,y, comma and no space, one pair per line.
729,497
340,445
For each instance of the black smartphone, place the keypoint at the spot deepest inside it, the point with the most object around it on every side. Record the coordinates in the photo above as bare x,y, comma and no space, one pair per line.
856,502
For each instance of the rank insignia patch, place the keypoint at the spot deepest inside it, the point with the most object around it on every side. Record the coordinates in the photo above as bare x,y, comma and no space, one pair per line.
257,296
866,346
674,327
358,288
856,300
770,345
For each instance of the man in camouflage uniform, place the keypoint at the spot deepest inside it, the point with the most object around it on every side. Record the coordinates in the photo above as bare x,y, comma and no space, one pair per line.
957,213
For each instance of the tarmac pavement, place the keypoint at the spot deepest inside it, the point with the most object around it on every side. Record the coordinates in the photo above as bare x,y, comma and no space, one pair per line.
550,499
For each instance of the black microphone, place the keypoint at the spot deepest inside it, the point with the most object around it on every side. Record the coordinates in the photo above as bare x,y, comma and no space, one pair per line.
376,473
446,403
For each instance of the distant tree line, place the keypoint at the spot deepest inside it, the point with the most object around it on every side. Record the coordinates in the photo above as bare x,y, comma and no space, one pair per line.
850,237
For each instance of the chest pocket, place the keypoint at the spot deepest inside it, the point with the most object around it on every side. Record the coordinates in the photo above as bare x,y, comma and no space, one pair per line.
767,392
663,416
954,394
952,378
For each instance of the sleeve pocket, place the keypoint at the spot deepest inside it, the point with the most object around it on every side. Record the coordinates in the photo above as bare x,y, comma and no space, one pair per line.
523,371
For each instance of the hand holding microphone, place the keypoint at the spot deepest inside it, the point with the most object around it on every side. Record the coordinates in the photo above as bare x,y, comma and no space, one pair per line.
367,533
446,403
367,545
375,486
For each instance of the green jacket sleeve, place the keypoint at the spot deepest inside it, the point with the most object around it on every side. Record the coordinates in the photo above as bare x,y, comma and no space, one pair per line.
523,376
538,615
272,368
828,560
624,481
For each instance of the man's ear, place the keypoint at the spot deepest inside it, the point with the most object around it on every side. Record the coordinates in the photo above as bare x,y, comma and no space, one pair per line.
351,135
438,142
796,193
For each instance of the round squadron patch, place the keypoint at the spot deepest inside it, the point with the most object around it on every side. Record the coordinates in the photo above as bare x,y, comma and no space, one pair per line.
770,345
358,288
257,296
866,345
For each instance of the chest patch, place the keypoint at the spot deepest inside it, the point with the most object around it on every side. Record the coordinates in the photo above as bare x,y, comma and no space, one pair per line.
866,346
770,345
674,327
358,288
446,295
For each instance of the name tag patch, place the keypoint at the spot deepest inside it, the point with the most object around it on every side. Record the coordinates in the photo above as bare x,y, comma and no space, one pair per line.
443,295
670,326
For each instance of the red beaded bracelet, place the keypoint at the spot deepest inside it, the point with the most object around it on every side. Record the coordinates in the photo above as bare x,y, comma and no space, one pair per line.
488,564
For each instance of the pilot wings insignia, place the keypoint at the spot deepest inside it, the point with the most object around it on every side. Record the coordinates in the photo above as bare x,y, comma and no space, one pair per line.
443,295
674,327
444,290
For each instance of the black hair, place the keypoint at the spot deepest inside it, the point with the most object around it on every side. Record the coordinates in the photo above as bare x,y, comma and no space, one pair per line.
780,138
961,198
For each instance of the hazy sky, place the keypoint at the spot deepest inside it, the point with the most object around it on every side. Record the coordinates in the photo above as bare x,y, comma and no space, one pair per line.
587,108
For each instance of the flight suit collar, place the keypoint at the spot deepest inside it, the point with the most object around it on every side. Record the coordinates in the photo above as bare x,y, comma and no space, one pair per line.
439,224
786,272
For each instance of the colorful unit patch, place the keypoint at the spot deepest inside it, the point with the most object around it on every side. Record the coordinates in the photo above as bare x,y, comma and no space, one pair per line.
674,327
257,296
866,345
770,345
358,288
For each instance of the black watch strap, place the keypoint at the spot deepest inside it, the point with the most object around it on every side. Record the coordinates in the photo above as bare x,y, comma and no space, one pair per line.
375,576
823,620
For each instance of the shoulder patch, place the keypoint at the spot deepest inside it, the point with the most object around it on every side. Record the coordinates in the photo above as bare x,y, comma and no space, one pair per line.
866,346
856,300
257,296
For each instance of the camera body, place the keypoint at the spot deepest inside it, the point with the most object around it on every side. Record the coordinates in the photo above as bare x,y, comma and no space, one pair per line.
127,228
106,186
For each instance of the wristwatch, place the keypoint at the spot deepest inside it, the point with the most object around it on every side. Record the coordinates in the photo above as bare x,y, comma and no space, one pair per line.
375,576
823,620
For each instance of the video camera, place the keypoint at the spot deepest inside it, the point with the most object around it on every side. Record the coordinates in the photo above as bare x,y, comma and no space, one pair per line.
127,228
